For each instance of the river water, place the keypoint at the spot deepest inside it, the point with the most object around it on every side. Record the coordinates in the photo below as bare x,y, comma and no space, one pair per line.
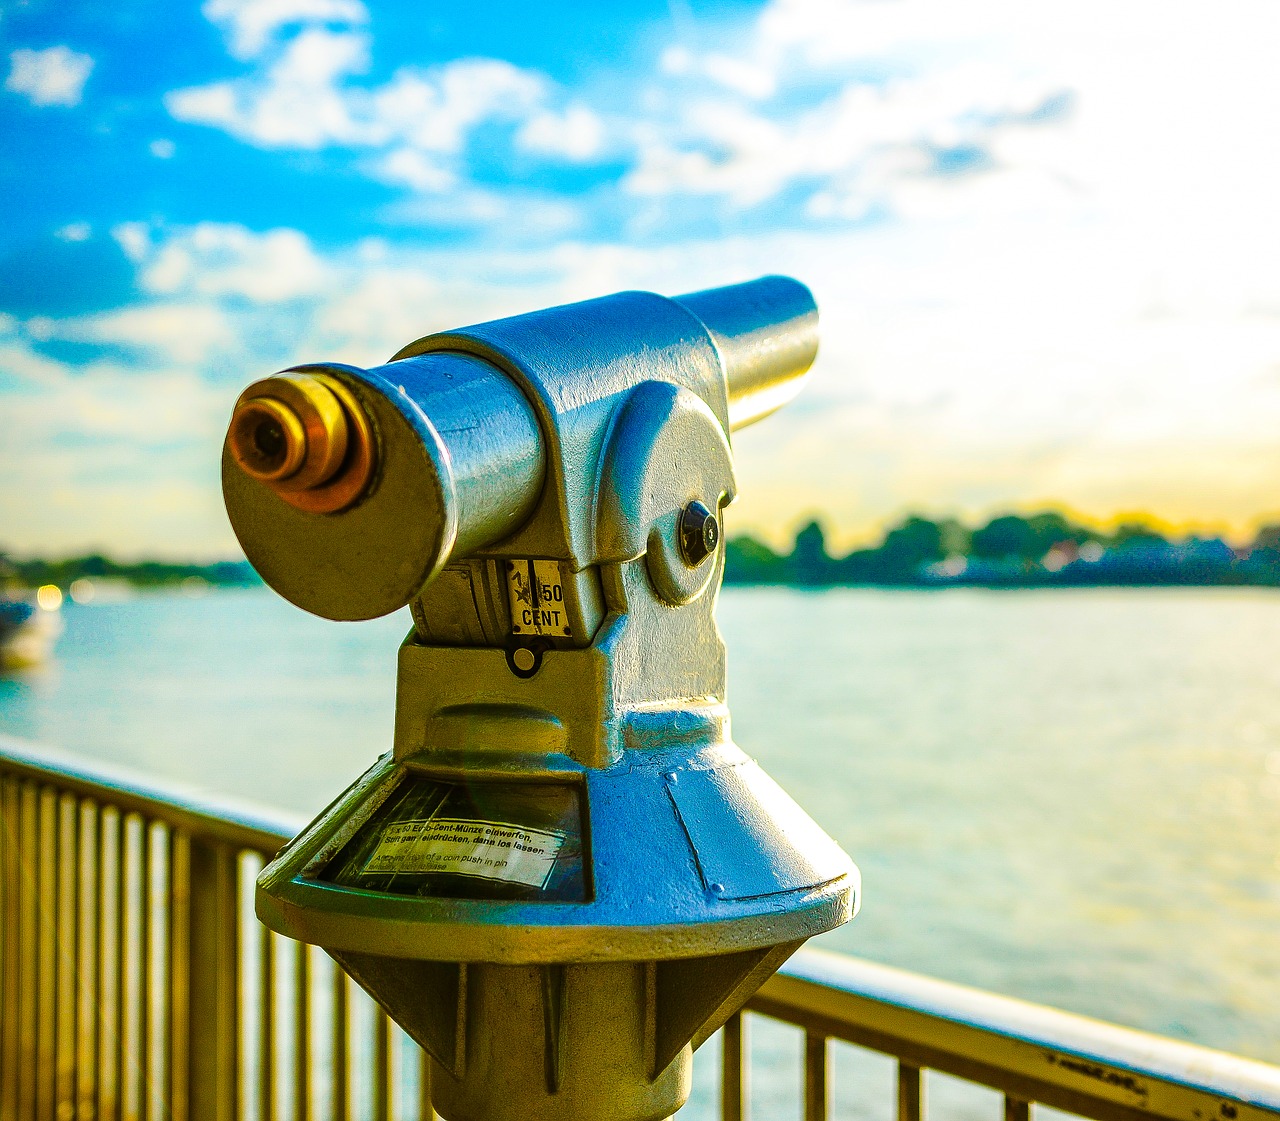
1071,796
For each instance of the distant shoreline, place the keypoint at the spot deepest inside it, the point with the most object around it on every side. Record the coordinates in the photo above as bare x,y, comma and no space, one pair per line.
67,572
1008,552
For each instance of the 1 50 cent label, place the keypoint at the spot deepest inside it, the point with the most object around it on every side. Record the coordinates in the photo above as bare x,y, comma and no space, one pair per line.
537,598
489,849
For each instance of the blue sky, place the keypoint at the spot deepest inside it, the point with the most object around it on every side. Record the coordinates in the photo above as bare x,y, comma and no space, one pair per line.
1042,234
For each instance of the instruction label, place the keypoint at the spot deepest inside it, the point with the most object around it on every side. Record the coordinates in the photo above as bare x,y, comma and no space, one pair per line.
489,849
537,598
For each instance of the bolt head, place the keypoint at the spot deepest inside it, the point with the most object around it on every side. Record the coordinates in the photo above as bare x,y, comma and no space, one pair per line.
699,533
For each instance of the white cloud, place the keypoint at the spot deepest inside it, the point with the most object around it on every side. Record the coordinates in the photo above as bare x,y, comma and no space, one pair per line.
251,24
215,260
74,231
855,144
576,134
419,120
54,76
296,103
522,217
416,125
109,456
435,109
743,76
107,400
186,334
134,238
162,149
411,167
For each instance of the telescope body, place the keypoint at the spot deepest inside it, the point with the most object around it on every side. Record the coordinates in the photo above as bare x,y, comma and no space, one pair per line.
564,876
477,427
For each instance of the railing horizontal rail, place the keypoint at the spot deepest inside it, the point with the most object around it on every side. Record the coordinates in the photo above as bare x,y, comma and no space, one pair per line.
135,983
1027,1051
229,820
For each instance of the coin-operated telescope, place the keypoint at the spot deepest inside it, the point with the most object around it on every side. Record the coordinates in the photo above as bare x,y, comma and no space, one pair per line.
565,876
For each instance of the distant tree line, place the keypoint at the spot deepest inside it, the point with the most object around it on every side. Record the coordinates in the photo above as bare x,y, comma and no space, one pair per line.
1009,551
32,573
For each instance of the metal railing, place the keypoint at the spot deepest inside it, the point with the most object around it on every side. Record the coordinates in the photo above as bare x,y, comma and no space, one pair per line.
134,981
135,984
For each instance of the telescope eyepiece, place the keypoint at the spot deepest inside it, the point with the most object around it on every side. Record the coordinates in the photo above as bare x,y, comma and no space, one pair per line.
268,439
305,437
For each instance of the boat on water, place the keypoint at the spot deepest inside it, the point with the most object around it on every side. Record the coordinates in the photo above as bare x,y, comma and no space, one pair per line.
29,627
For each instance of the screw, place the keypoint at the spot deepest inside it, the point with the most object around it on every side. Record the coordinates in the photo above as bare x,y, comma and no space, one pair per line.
699,533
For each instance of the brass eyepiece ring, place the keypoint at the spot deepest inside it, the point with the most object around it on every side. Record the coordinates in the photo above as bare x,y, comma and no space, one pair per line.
306,437
267,439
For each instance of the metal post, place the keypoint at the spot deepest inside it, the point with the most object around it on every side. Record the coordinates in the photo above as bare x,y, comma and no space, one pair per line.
1015,1109
816,1092
733,1077
910,1093
214,983
302,1104
67,909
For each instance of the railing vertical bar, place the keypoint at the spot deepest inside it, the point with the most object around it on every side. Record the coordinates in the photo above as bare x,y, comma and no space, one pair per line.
228,973
120,977
1016,1109
104,966
426,1111
266,1025
910,1093
733,1069
66,904
213,986
178,953
816,1090
6,947
10,945
146,966
340,1059
28,940
382,1088
127,981
88,965
302,1103
46,997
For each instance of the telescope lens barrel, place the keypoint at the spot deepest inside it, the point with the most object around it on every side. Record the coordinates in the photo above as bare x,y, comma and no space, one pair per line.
767,333
424,459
